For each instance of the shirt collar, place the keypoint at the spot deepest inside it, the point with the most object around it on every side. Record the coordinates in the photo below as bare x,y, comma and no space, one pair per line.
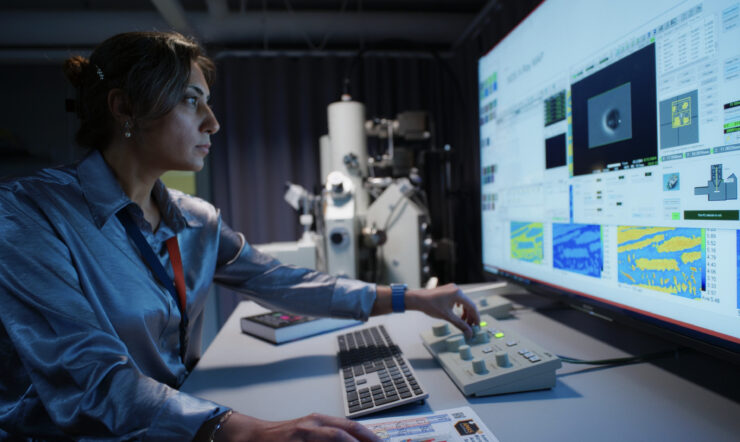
105,197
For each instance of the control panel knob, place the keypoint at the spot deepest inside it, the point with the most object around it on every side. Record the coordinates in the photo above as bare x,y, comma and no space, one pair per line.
441,329
502,359
454,343
479,366
465,352
481,337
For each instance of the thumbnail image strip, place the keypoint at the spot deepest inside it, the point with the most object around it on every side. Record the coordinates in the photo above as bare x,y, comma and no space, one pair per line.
665,259
578,248
527,242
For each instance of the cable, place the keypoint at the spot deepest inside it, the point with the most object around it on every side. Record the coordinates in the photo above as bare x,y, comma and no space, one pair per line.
622,361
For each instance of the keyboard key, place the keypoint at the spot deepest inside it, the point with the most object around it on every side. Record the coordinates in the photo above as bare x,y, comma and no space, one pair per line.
381,401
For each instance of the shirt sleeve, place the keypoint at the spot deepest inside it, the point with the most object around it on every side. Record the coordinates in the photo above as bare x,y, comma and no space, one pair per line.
289,288
77,366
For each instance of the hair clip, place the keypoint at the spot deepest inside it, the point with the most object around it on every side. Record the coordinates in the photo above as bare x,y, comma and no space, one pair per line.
100,72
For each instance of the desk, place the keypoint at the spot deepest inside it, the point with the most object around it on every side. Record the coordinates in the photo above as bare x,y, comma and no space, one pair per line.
661,401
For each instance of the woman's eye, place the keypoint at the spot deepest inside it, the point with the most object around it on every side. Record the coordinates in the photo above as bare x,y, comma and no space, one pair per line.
193,101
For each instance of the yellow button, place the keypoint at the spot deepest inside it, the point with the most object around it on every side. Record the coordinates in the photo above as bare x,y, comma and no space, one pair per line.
498,335
483,323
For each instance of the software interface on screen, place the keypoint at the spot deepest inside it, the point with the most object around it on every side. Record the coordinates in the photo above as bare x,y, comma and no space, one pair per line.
610,156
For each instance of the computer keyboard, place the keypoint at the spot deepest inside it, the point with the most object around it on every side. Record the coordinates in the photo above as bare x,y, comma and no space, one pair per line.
374,372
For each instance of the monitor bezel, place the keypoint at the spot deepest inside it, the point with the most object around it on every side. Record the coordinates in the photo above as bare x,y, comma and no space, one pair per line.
690,336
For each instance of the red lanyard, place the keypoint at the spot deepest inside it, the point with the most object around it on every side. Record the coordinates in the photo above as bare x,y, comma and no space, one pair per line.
174,248
176,288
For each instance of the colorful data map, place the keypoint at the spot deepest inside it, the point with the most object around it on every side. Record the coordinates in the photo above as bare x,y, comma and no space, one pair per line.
578,248
527,242
666,259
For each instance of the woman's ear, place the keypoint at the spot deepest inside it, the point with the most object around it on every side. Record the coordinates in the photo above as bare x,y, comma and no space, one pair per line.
119,107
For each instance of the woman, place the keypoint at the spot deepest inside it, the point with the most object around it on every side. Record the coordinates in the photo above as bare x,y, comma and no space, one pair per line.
105,271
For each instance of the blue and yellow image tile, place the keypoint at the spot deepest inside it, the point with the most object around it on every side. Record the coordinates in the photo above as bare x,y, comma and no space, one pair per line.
527,242
666,259
578,248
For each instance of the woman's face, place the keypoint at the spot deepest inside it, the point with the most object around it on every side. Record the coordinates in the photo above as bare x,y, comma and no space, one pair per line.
180,139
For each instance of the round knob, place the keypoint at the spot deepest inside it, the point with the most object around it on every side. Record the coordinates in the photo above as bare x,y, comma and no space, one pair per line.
481,337
454,342
483,302
502,359
441,329
479,366
465,352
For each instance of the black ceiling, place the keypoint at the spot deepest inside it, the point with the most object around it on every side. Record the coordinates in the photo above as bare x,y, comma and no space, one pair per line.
254,24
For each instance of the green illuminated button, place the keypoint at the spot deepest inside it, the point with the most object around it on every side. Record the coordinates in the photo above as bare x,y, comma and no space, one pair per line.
676,216
498,335
483,323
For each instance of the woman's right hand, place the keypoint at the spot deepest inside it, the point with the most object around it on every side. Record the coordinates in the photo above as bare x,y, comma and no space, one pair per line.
314,427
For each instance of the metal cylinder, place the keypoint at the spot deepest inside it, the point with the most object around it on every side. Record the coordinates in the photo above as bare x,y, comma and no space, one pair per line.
349,145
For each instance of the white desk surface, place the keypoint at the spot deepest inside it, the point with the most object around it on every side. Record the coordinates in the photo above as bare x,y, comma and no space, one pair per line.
648,401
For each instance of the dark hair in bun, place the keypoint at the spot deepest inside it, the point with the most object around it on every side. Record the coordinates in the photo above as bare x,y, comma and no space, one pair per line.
151,68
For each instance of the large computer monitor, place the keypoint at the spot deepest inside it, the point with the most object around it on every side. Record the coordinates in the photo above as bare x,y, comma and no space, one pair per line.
610,157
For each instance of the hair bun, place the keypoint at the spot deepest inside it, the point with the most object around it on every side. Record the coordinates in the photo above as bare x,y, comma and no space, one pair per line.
74,68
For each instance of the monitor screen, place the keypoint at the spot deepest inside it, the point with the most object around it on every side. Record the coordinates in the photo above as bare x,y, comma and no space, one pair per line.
610,157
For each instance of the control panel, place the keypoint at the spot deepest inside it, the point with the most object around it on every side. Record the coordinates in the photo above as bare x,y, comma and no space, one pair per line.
494,305
487,301
495,360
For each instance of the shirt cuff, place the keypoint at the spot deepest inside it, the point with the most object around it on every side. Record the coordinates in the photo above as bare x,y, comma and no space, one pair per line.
353,299
181,416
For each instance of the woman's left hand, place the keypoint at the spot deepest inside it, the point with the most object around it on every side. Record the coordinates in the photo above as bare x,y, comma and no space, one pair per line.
439,303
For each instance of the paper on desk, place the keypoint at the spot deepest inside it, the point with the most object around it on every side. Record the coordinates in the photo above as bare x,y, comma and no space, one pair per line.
456,424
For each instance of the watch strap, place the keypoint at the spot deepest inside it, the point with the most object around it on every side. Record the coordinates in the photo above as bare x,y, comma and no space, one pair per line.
398,297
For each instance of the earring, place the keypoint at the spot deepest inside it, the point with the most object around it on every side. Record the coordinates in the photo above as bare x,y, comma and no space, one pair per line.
127,129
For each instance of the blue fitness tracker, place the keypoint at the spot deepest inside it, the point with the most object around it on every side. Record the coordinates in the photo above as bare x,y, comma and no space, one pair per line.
398,295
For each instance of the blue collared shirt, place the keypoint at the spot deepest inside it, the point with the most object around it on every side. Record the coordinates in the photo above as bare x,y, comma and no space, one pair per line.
89,340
